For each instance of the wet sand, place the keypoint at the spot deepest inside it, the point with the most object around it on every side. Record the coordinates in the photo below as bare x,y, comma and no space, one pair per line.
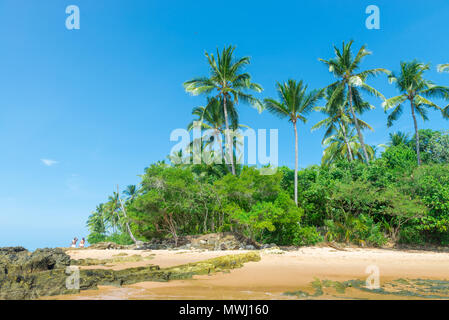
274,275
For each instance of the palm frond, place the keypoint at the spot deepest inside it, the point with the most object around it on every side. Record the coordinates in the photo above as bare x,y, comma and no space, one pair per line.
443,67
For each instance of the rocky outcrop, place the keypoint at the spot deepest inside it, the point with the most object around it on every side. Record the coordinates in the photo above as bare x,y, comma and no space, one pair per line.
109,246
25,275
112,261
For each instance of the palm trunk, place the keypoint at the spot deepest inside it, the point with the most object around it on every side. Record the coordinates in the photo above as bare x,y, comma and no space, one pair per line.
418,153
126,218
351,158
296,163
228,138
357,126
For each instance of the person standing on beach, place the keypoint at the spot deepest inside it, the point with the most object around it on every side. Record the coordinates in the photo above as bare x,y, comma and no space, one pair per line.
82,242
74,241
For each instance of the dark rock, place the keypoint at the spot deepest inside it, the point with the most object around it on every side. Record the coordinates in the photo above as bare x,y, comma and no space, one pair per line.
9,250
25,275
109,246
43,273
212,241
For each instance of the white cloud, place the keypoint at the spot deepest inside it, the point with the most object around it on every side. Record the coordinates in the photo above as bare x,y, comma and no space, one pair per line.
49,162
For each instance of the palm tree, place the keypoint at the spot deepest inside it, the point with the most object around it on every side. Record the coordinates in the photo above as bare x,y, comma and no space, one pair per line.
212,118
338,118
111,216
113,208
344,66
416,89
229,83
96,222
121,206
399,138
131,192
338,149
294,103
443,67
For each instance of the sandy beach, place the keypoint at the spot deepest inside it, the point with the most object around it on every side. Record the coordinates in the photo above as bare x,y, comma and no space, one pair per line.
279,272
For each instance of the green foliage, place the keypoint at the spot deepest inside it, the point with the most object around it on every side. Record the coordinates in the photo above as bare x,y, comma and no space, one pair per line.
399,157
119,238
361,230
434,146
431,184
307,236
392,199
95,237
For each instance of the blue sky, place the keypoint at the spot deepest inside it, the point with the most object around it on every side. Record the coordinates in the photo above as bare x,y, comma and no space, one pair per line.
101,101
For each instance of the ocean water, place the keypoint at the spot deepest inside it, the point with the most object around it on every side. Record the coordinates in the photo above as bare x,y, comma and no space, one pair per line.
33,238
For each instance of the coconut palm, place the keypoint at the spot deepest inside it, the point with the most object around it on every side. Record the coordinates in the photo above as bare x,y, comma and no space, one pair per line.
338,117
443,67
399,138
294,103
95,222
229,82
345,67
414,88
211,117
131,192
338,149
112,215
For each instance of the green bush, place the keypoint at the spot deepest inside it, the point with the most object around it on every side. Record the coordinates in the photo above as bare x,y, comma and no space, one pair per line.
307,236
119,238
411,235
93,238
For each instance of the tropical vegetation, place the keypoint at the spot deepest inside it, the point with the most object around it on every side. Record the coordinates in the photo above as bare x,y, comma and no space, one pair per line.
396,192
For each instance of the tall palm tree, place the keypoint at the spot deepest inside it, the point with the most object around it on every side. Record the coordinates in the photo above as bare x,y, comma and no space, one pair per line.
211,117
345,67
294,103
416,89
338,149
229,82
338,118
